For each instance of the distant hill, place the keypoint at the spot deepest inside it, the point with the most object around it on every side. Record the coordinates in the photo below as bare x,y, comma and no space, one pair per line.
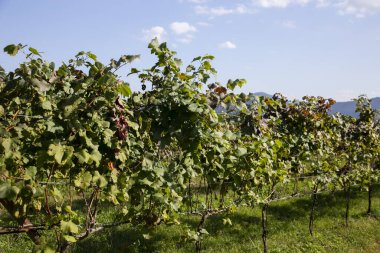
347,108
263,94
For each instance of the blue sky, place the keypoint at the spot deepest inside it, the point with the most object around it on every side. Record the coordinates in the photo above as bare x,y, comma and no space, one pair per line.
296,47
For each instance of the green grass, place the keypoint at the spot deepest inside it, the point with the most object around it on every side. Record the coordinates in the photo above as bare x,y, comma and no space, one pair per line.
287,225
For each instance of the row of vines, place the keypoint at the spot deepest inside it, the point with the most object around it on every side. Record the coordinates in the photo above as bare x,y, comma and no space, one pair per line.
75,139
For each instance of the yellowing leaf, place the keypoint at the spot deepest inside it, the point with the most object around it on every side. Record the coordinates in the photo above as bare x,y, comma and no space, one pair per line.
69,227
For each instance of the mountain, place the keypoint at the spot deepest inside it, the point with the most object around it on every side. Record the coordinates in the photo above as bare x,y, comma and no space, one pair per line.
347,108
263,94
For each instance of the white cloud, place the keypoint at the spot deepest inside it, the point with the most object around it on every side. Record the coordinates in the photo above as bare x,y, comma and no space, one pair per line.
187,39
154,32
197,1
323,3
279,3
182,27
221,11
289,24
358,8
184,30
203,24
227,45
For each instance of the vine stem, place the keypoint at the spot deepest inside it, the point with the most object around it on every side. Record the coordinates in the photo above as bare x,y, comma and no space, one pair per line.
47,208
370,189
264,227
24,222
314,200
198,244
348,196
264,210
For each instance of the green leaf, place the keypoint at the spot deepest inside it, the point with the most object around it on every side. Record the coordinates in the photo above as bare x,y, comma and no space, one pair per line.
104,79
87,178
80,53
83,156
70,238
203,231
68,209
193,107
7,191
57,151
190,68
68,227
133,125
7,145
145,181
47,249
241,151
92,56
278,143
30,173
208,57
154,45
96,157
128,58
178,62
34,51
57,195
124,90
230,135
227,221
147,236
207,65
42,85
147,162
12,49
197,58
99,180
238,82
46,105
107,135
83,181
52,66
133,71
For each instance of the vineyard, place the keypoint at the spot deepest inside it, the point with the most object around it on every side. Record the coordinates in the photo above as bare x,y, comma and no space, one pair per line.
76,142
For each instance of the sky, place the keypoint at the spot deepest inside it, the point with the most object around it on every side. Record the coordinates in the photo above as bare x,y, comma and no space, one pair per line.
329,48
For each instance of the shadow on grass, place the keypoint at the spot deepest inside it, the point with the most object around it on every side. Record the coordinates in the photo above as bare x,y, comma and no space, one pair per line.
123,239
282,216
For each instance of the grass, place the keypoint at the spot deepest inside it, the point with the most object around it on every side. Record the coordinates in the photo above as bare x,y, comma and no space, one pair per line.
287,225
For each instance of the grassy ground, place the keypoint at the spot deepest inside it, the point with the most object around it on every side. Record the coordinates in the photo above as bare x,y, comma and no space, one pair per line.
287,224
